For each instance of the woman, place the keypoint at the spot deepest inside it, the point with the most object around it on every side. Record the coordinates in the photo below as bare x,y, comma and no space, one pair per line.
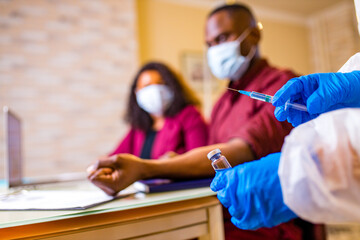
162,114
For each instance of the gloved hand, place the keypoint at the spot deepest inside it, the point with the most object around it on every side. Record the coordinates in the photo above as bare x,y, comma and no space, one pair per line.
320,92
252,193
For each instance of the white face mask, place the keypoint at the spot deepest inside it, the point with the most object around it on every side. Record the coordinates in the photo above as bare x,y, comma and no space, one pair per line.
226,61
155,99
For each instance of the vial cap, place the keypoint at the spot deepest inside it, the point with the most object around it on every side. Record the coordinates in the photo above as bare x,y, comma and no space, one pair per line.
213,152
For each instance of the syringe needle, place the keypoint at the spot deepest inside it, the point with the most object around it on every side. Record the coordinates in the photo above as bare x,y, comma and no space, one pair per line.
233,89
268,98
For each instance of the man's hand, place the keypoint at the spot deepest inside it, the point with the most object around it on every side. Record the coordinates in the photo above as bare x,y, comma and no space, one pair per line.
113,174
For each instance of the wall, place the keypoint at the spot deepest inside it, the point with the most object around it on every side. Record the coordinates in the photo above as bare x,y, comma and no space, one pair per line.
65,67
167,32
286,45
168,29
334,36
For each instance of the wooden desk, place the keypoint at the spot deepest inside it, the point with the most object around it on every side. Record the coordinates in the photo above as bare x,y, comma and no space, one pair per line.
173,215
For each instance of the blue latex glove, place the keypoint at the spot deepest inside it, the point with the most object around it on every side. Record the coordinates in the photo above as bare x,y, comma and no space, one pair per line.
252,193
320,92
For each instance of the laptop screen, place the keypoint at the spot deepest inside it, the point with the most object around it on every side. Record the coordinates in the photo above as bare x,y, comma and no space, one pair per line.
13,158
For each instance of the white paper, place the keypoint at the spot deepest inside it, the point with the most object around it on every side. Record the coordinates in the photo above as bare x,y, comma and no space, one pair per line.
57,199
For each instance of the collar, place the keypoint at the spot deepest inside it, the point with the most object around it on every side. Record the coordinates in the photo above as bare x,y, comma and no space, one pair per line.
249,75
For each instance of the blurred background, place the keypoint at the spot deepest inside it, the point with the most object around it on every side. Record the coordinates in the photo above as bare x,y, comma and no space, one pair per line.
66,66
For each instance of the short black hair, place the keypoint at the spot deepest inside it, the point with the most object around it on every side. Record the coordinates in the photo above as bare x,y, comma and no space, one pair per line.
232,8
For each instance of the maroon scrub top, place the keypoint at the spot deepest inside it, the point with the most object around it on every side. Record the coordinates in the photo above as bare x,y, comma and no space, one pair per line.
238,116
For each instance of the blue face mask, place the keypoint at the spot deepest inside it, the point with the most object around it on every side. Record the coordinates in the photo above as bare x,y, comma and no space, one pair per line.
226,61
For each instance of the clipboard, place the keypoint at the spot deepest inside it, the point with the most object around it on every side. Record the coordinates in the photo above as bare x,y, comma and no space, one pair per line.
166,185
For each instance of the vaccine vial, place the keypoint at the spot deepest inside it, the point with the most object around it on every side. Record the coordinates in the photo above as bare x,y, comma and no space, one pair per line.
218,161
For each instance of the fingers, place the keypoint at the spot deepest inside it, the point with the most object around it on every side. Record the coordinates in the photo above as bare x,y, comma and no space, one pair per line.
218,185
109,191
104,162
109,162
101,173
245,224
291,90
219,182
105,179
224,198
99,182
293,116
280,113
115,173
296,117
237,212
91,170
317,103
238,223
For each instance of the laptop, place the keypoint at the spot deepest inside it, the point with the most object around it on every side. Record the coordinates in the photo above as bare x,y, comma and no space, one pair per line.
13,153
14,157
26,194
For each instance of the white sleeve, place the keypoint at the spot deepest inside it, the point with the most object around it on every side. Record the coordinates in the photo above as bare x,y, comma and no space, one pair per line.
352,64
320,168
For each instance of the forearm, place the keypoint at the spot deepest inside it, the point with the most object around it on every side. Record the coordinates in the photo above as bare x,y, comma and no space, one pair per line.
195,164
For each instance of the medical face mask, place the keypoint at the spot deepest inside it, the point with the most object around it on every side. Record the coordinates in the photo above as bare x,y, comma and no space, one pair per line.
155,99
226,61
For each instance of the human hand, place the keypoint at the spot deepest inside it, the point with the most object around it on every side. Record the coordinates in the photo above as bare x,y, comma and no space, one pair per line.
252,193
320,92
112,174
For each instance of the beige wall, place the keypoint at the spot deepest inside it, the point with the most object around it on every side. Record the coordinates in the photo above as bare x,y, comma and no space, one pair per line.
167,29
65,68
286,45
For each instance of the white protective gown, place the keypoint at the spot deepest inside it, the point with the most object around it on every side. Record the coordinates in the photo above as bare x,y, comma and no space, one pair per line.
320,168
320,165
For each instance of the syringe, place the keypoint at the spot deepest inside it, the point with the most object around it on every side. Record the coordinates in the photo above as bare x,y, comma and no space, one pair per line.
269,99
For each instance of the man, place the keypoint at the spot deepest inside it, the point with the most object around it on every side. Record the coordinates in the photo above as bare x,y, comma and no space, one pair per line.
317,174
243,129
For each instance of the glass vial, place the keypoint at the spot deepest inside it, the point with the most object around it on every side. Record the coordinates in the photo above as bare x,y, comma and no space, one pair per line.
218,161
